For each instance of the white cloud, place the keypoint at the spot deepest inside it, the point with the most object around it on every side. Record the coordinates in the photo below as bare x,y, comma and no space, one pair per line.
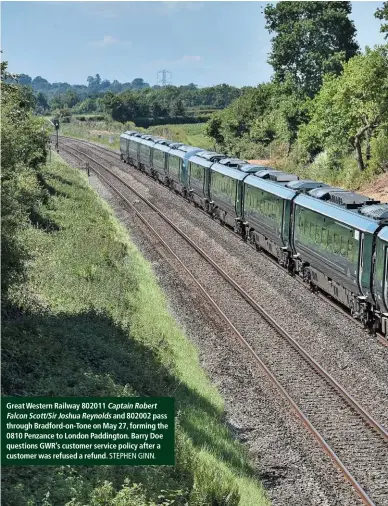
109,40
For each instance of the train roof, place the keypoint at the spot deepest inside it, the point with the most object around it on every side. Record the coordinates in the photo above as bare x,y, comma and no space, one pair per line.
126,135
252,169
211,156
282,177
338,213
375,211
162,146
266,172
270,187
305,185
324,192
148,141
164,142
234,163
183,151
383,234
351,200
228,171
205,158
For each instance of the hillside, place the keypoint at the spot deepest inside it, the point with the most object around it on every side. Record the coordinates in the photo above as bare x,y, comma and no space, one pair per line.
378,189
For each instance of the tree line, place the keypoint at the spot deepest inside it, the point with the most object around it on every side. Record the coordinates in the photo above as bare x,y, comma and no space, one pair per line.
126,101
327,102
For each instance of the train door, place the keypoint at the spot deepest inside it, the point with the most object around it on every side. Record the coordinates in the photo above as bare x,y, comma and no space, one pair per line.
385,279
365,263
360,260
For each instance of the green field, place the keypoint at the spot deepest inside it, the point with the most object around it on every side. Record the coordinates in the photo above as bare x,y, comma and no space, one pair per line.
90,320
192,135
108,133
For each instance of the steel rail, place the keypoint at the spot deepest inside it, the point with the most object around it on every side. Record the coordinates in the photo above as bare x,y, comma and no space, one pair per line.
311,361
318,292
325,446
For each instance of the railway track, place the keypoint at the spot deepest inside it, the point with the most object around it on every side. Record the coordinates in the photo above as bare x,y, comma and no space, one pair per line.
355,442
108,156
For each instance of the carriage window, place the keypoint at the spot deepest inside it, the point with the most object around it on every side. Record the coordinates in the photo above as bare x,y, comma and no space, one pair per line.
312,231
337,244
350,251
317,234
324,237
301,223
344,246
329,241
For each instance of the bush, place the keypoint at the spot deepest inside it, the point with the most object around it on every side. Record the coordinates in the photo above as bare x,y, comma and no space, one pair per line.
379,149
24,147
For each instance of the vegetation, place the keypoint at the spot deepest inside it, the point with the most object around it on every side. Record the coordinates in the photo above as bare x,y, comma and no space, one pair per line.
128,101
105,132
82,315
108,132
324,115
383,15
351,109
192,135
312,38
168,102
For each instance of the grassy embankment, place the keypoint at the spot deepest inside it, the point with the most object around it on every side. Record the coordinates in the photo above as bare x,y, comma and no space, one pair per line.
102,132
90,320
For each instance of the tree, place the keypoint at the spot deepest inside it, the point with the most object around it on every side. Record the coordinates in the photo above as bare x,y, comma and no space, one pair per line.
383,15
350,109
41,103
70,98
139,84
88,105
40,84
23,148
105,84
311,39
94,82
177,108
24,80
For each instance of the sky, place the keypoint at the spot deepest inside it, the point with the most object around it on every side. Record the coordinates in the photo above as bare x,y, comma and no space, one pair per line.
206,43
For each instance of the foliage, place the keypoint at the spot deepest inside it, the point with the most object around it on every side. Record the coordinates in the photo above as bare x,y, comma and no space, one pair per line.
144,101
262,115
311,39
379,151
383,15
24,141
192,135
167,102
350,109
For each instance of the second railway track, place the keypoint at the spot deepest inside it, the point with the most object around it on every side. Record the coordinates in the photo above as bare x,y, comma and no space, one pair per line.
352,438
109,155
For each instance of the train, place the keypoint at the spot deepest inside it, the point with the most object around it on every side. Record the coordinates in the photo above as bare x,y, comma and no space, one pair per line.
333,239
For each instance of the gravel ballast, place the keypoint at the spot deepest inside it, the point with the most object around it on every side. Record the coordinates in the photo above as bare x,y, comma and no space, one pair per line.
286,456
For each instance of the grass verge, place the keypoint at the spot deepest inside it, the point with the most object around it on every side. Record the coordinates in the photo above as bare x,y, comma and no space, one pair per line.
91,320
